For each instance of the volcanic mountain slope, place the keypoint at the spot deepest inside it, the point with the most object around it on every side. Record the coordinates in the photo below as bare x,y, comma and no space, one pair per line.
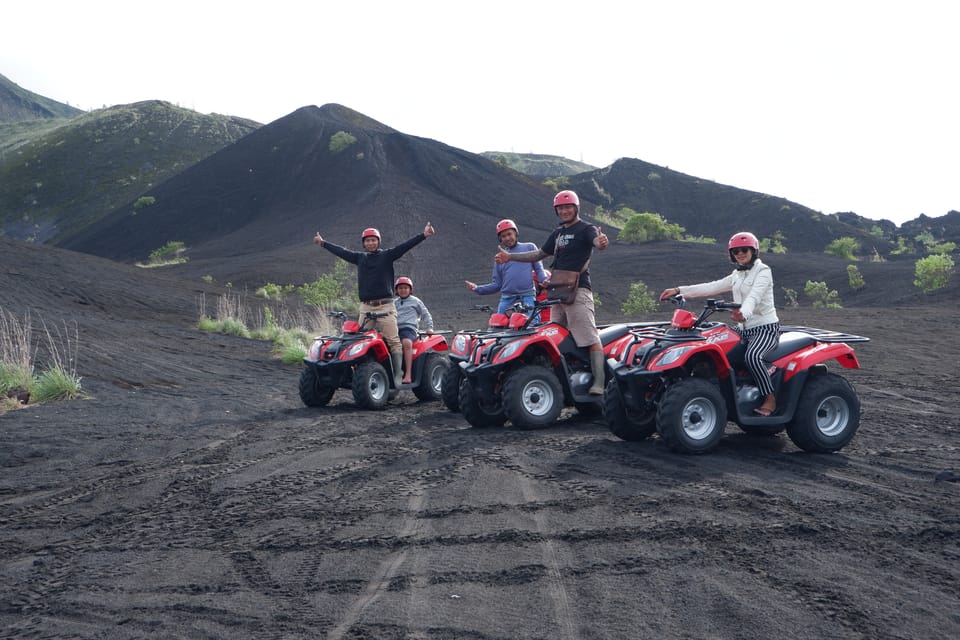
247,214
271,191
56,180
19,105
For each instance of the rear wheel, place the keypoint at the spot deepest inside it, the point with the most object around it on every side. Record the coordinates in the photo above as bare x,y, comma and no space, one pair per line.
532,397
692,416
827,416
312,392
627,425
431,377
479,414
371,387
450,387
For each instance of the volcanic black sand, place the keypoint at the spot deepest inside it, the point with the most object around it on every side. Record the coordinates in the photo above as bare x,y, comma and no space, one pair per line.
192,495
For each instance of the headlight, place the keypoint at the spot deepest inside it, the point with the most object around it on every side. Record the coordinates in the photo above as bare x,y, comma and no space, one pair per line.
460,343
355,349
314,352
509,350
671,355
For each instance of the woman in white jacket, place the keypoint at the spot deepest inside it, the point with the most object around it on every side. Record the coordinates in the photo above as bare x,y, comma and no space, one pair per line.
752,286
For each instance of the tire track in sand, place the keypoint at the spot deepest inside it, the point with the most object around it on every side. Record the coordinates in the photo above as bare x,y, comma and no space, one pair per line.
565,615
379,583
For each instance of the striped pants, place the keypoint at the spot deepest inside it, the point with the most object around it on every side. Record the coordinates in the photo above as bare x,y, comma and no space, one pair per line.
760,341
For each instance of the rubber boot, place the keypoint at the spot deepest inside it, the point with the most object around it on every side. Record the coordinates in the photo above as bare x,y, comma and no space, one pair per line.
397,360
596,367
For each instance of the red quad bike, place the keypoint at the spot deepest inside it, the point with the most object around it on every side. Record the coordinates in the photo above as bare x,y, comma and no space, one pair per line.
684,382
358,359
528,372
460,349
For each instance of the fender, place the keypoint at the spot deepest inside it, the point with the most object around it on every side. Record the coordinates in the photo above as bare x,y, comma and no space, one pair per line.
674,357
369,344
517,347
816,354
430,343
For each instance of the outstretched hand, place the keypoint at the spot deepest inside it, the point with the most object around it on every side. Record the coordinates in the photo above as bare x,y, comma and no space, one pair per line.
428,230
737,316
318,239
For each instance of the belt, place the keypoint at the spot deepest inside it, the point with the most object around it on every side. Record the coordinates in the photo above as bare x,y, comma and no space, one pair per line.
379,302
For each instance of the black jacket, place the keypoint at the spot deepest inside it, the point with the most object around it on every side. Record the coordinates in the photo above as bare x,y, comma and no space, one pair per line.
375,274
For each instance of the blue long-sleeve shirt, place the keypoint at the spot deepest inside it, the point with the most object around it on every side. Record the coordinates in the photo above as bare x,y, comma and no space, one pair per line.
514,278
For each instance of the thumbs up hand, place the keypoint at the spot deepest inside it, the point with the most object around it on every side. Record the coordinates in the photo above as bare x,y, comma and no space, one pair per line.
602,240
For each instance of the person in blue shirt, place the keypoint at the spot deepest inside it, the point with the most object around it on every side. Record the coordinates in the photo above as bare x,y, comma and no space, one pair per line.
513,280
410,310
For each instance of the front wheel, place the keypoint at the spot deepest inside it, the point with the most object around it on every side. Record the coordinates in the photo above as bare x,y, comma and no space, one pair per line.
692,416
431,377
827,415
371,387
450,387
532,397
480,414
623,423
312,392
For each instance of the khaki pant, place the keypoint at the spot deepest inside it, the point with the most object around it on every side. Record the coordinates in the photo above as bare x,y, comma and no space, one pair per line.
578,318
387,325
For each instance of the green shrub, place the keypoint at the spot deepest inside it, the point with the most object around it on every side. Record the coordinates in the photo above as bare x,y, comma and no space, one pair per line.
329,290
845,247
291,352
272,291
649,227
340,141
55,384
639,300
58,379
904,247
855,277
773,245
143,201
822,296
170,253
790,297
933,272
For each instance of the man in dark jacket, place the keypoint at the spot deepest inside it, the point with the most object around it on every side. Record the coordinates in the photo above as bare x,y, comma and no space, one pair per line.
375,278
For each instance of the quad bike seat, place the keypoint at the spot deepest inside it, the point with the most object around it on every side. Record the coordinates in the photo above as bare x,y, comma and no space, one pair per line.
613,332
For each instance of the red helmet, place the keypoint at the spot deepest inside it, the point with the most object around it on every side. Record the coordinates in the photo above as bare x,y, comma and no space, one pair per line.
403,280
566,197
505,224
743,239
369,233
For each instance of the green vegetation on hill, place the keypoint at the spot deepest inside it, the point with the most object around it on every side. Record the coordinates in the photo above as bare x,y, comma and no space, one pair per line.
58,179
541,166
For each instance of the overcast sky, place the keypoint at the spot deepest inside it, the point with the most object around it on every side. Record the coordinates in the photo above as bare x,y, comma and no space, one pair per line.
837,105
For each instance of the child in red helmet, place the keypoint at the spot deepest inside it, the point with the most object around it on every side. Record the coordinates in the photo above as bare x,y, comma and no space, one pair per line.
410,311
